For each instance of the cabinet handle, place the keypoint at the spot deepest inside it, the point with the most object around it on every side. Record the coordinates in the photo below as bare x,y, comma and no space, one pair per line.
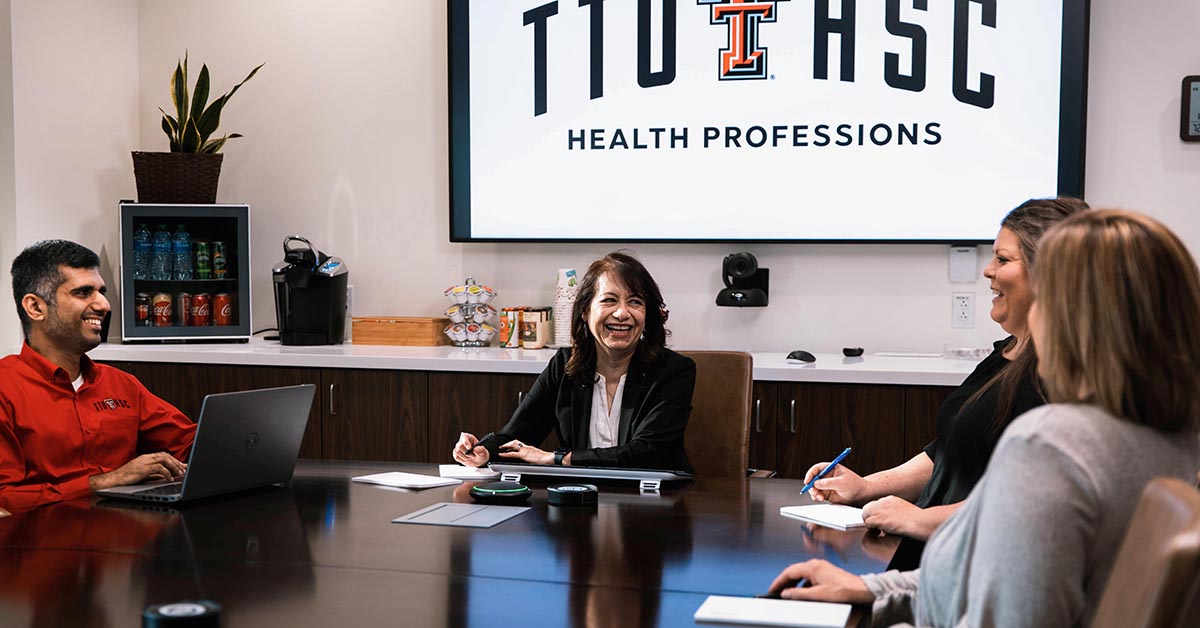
758,416
792,416
520,396
332,394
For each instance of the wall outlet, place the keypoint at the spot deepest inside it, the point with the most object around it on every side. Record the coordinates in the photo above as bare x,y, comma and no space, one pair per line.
962,311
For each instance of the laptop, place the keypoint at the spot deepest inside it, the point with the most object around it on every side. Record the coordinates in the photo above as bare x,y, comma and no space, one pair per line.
647,479
244,440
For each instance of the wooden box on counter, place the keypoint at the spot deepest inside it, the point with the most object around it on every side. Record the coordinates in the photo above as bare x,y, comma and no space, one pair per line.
413,331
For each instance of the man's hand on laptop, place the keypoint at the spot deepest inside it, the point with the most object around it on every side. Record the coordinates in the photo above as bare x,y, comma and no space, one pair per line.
147,467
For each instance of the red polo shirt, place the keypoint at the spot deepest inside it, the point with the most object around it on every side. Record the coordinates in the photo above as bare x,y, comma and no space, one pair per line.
52,438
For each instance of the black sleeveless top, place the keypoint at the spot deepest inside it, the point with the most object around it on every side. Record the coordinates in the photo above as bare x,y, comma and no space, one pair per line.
964,443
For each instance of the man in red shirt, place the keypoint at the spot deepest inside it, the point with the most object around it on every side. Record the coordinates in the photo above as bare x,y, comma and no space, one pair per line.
69,426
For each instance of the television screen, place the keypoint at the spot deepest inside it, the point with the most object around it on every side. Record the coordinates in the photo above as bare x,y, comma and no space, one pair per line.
774,120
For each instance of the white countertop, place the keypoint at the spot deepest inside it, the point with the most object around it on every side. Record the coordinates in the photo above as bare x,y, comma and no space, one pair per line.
829,367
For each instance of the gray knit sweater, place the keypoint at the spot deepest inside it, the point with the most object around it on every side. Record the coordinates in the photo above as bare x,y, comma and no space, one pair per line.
1034,542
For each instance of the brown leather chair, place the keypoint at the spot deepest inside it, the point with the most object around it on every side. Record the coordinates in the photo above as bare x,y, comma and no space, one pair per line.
718,433
1155,578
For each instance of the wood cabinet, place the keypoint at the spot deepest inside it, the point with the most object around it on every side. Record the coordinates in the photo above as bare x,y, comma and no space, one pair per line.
764,426
921,405
185,385
374,415
470,402
356,414
416,416
796,425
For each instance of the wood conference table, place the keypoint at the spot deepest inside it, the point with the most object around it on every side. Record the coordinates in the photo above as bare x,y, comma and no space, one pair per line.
322,551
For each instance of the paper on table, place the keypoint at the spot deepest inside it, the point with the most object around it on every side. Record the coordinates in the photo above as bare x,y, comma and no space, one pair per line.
764,612
405,480
466,473
834,516
462,515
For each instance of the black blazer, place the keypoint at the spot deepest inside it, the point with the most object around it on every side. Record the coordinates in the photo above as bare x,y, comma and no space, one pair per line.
655,406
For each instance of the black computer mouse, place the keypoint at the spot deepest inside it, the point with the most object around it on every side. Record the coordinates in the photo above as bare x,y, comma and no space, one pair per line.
802,355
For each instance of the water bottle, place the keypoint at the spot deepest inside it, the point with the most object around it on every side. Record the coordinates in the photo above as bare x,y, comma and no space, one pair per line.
160,262
181,243
141,252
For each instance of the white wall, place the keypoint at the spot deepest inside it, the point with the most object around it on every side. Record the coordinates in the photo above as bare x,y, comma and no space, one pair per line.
9,246
346,143
74,115
345,134
1140,52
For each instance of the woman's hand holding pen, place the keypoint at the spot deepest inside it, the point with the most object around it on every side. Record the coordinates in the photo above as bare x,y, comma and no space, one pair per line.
468,452
825,583
840,486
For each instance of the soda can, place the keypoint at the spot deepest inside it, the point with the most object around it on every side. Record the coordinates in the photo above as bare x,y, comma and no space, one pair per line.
160,305
201,311
203,261
183,308
141,310
220,261
223,309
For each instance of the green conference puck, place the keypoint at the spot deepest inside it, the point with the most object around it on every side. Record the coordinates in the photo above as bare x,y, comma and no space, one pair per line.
500,493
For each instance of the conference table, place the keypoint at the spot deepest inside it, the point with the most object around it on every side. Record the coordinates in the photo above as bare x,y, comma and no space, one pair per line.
323,551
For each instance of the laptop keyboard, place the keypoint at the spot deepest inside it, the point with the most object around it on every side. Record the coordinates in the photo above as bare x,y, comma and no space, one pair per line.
166,490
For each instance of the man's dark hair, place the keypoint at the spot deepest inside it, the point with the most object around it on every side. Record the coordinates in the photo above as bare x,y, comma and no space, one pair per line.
36,271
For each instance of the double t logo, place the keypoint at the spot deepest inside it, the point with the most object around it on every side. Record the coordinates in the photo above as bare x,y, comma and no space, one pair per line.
743,58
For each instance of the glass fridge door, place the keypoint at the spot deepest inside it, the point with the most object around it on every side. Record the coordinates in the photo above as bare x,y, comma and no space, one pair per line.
185,273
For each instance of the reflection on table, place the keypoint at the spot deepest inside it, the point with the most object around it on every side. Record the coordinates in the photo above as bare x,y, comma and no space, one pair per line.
323,552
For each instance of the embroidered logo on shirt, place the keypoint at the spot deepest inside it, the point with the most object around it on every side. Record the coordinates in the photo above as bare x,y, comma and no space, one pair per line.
110,404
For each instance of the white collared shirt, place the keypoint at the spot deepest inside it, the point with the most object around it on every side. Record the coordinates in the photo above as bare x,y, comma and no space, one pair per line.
605,427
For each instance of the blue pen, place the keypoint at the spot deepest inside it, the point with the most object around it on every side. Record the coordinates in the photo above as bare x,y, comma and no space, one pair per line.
841,457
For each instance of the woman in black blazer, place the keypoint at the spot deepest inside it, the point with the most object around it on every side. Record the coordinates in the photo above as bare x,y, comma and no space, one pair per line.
618,398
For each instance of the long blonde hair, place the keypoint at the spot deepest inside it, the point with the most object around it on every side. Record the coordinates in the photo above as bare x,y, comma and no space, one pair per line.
1118,295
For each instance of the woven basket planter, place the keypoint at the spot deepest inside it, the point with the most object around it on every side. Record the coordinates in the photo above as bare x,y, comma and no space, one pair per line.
186,178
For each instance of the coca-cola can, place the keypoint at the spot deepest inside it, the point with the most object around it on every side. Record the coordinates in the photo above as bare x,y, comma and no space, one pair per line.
223,309
201,312
141,309
183,307
160,305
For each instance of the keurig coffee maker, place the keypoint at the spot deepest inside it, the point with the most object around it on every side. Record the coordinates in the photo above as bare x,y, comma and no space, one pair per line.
310,295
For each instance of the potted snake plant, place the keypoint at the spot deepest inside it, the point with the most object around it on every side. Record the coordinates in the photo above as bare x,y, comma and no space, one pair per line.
189,172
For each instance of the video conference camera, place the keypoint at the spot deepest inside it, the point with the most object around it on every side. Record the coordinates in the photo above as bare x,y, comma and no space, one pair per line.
746,285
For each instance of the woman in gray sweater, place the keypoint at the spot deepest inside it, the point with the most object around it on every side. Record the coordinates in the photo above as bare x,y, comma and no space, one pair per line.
1116,327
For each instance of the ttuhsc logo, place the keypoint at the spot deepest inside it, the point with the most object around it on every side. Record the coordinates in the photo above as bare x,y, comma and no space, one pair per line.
744,59
110,404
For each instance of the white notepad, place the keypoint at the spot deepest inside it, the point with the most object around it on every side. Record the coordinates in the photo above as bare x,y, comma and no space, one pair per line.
467,473
835,516
765,612
405,480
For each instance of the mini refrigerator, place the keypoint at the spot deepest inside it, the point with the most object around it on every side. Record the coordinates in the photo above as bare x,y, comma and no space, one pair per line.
185,273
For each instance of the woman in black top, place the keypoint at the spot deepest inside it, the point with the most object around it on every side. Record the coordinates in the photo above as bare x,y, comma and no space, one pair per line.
911,500
617,398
